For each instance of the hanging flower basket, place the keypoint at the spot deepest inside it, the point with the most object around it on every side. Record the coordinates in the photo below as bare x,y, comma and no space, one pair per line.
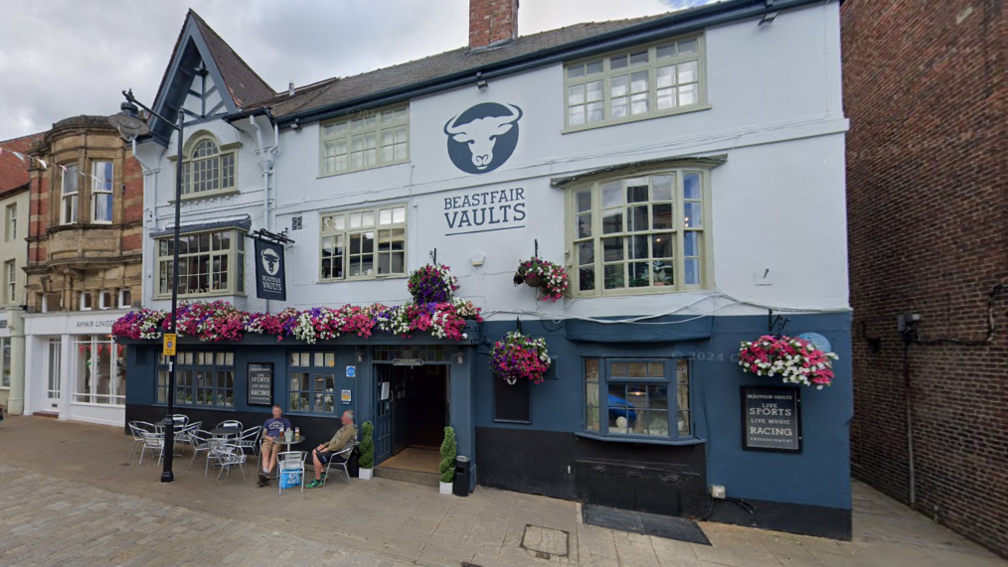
793,360
549,278
520,357
432,283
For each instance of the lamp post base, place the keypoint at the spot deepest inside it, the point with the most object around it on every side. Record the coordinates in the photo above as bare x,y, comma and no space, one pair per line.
167,476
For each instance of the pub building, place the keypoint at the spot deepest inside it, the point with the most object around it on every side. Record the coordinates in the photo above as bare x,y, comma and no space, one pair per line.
686,171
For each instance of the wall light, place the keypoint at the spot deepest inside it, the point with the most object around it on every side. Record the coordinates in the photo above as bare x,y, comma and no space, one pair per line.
481,83
459,357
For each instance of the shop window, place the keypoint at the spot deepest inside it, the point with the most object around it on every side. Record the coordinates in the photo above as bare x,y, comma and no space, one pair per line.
5,362
100,371
202,379
638,398
312,383
210,263
644,82
370,139
363,244
512,403
640,234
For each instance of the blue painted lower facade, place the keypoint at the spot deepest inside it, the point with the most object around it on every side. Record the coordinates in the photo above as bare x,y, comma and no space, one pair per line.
549,450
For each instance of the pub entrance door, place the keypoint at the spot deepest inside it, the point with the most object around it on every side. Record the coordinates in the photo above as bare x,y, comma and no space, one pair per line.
412,408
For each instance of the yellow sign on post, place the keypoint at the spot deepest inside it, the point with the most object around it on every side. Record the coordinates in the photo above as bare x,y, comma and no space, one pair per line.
169,344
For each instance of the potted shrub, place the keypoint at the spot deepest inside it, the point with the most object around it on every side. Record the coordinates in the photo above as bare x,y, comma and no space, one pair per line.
432,283
520,357
448,447
794,360
366,448
549,278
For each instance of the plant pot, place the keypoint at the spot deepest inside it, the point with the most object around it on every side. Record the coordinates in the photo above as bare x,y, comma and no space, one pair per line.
533,280
365,474
445,488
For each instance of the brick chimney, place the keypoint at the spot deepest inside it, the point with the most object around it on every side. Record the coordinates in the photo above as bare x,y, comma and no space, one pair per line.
491,21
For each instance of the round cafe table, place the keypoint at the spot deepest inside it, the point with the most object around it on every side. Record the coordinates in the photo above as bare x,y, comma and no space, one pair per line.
225,432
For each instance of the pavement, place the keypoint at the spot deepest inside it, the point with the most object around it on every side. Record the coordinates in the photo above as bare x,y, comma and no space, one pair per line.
71,496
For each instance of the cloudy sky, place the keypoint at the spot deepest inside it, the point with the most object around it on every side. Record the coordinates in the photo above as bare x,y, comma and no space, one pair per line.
61,58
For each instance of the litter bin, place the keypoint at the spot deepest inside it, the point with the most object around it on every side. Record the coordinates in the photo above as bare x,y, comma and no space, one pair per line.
353,469
461,484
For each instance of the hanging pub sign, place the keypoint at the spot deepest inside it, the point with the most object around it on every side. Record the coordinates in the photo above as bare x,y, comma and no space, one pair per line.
271,280
260,384
771,419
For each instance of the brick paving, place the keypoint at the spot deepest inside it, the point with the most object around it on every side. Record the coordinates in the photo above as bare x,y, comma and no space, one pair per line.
72,497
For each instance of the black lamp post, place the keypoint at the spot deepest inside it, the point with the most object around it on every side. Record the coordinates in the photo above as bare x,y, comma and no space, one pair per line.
131,126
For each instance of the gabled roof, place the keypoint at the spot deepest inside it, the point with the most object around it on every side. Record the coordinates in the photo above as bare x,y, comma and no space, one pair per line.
14,172
199,46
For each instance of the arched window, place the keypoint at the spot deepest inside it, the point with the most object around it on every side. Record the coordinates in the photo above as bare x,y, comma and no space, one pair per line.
206,169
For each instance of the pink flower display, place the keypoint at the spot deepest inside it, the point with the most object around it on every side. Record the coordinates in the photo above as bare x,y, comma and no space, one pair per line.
794,360
550,278
520,357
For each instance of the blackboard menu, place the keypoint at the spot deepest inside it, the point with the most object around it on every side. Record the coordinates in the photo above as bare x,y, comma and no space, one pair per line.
260,384
771,419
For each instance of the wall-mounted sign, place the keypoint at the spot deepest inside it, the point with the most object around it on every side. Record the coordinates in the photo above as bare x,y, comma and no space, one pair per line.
771,419
384,391
260,384
351,371
170,340
407,362
95,324
3,323
271,280
483,137
345,397
485,211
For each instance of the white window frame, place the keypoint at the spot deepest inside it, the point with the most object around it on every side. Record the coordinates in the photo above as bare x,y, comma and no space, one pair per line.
384,131
219,167
104,299
6,363
71,198
235,255
700,256
581,76
102,190
125,298
91,396
338,229
10,229
86,301
10,278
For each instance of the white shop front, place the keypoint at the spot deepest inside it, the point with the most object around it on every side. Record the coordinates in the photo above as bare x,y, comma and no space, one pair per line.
73,368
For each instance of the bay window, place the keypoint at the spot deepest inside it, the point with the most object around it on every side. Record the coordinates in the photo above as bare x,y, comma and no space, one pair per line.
210,263
69,193
638,397
363,244
649,81
101,191
369,139
640,234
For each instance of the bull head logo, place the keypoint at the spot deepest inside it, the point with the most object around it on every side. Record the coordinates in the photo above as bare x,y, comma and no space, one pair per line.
271,261
483,137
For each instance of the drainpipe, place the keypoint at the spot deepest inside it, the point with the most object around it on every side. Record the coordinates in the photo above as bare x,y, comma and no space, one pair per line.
912,480
267,158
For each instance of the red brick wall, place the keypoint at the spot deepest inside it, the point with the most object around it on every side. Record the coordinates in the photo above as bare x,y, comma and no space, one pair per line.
925,90
491,21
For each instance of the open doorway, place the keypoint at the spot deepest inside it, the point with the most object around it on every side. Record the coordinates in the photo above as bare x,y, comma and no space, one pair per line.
412,410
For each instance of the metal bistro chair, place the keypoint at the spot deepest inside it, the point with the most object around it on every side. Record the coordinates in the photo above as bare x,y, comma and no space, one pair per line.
184,435
229,455
137,429
153,442
343,462
288,462
200,441
250,440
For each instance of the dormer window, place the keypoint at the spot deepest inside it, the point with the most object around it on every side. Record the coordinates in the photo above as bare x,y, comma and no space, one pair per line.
207,168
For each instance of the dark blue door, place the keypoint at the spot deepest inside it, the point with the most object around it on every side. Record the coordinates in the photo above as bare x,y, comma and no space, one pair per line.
400,409
383,412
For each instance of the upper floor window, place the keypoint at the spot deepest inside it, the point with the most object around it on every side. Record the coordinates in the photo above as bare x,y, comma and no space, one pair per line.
640,83
210,263
645,233
207,169
10,278
638,397
69,193
364,244
10,229
101,191
369,139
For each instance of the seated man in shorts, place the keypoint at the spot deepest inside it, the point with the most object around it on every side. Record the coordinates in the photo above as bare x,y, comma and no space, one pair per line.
344,438
270,449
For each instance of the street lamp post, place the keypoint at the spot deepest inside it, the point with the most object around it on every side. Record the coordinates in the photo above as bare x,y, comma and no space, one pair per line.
131,126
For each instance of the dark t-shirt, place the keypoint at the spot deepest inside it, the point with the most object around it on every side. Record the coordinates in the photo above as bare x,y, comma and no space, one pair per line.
272,426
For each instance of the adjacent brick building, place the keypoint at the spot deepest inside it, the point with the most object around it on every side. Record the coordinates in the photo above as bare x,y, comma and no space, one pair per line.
925,90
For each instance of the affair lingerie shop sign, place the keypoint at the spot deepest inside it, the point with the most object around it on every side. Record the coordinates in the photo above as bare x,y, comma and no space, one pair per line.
771,419
105,325
486,210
